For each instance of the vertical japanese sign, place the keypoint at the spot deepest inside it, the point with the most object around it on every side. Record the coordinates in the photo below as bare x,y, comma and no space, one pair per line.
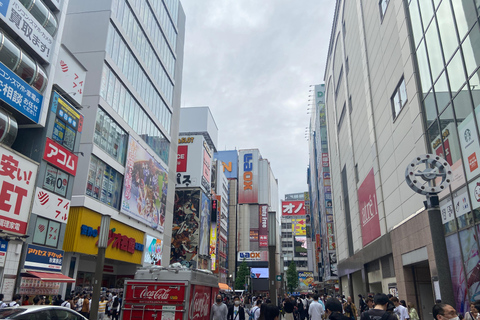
19,95
70,75
145,187
367,203
263,226
248,176
17,17
51,206
182,156
207,159
17,183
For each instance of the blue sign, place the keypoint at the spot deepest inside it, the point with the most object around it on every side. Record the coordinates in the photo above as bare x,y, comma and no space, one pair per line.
229,160
4,6
18,94
43,259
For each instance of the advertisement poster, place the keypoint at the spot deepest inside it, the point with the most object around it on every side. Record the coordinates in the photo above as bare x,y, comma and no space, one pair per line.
467,135
293,208
17,185
229,161
300,246
153,251
456,271
185,227
305,279
248,176
70,75
263,226
299,227
471,260
213,245
204,226
145,187
259,273
330,236
182,156
367,203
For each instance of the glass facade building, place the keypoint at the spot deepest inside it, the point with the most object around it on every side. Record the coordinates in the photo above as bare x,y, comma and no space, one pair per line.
446,39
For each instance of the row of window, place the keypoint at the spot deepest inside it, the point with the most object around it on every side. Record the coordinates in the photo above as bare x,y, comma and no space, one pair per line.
22,64
104,183
130,67
110,137
42,14
133,29
172,6
120,99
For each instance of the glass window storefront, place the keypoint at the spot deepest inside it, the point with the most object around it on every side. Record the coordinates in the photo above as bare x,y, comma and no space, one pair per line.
447,40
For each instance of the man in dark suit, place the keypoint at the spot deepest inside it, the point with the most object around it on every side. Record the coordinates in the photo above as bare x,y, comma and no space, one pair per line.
236,312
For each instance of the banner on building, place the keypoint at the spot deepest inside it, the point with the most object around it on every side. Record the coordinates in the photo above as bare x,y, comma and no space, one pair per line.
17,184
145,184
263,226
204,226
182,157
43,258
300,246
252,256
299,227
305,279
51,206
367,203
153,251
229,161
293,208
248,176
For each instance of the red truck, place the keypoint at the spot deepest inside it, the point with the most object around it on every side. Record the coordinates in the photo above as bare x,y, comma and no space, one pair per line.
169,294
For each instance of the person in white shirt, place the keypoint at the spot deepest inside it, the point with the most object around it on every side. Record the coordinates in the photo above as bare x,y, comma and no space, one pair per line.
315,310
256,309
400,310
66,303
16,301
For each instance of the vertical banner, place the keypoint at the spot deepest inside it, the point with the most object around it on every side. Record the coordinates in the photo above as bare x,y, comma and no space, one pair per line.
204,226
263,226
248,176
182,155
367,202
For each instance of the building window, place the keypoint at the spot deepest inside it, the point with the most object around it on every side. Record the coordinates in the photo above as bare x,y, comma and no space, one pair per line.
56,180
46,232
340,74
342,116
350,105
347,66
110,137
383,4
399,98
104,183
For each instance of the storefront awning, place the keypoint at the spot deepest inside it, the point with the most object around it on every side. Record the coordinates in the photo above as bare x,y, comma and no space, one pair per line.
48,276
224,286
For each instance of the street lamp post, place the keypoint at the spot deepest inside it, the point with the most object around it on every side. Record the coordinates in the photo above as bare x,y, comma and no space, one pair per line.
102,246
272,235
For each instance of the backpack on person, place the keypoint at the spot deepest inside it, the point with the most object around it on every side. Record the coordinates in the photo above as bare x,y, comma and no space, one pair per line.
251,316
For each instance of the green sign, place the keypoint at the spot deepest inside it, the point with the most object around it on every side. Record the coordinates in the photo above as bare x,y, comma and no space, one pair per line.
279,277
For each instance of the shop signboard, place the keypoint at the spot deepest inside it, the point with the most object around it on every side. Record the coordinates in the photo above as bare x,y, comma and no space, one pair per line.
153,251
305,279
70,75
51,206
229,161
3,252
293,208
60,157
367,202
325,160
43,258
204,226
207,163
252,256
182,157
299,227
263,226
248,176
22,22
467,135
67,112
144,195
254,235
18,94
17,184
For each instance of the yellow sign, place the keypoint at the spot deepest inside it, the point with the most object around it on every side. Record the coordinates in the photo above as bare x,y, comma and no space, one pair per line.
125,243
299,227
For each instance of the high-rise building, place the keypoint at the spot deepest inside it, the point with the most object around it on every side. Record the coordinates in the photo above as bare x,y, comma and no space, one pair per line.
133,51
402,80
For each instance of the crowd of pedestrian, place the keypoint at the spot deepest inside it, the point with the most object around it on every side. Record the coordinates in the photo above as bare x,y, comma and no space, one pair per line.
109,305
248,308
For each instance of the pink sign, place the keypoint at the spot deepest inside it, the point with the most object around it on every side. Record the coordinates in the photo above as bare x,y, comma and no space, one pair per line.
367,202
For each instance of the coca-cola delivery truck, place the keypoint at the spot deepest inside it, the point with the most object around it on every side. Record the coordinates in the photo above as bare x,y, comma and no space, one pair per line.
169,294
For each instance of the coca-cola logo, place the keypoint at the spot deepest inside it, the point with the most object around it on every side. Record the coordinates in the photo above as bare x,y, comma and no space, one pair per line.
160,294
199,306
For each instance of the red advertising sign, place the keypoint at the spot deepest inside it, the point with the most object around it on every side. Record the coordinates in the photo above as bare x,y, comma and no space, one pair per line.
17,183
201,300
293,208
263,226
60,157
182,158
325,160
160,293
367,203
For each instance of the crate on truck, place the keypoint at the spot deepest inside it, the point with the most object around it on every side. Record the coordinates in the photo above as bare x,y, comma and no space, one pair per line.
169,294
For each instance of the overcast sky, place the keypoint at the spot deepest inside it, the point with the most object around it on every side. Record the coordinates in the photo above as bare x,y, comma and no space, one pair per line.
252,62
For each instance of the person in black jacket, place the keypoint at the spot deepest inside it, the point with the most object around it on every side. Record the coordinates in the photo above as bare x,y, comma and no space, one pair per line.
236,312
288,308
380,311
333,310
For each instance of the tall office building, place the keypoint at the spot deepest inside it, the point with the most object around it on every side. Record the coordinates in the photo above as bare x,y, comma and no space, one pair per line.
133,51
401,81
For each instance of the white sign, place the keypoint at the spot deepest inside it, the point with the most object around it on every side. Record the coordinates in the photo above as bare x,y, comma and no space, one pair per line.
474,188
252,256
461,204
467,135
17,17
17,182
194,175
51,206
70,75
447,213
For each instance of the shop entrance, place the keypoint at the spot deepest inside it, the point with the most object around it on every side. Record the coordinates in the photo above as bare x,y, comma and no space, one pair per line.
422,296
